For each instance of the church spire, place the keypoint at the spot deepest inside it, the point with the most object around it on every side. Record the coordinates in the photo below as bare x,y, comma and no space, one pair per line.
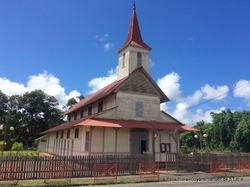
134,53
134,34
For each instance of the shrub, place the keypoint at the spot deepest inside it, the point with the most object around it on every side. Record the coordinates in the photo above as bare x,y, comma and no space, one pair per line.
2,143
17,146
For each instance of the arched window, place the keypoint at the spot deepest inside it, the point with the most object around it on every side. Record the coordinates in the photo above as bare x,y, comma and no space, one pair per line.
123,60
139,61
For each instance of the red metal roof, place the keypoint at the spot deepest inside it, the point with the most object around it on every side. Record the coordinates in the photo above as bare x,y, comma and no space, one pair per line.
96,96
112,87
134,34
118,123
135,124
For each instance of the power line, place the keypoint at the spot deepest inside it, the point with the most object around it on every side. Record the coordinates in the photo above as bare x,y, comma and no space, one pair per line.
236,88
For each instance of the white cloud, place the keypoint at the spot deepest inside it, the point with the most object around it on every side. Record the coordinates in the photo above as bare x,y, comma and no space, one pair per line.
183,107
102,37
170,86
216,93
242,89
108,46
11,88
152,63
100,82
43,81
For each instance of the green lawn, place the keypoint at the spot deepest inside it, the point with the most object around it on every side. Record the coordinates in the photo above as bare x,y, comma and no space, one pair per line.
22,153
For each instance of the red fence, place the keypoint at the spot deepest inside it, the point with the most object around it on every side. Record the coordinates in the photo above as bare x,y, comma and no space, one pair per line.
149,170
244,165
57,171
10,173
218,167
105,171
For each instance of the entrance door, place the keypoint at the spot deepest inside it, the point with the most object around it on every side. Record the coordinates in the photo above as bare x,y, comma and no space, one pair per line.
143,146
139,141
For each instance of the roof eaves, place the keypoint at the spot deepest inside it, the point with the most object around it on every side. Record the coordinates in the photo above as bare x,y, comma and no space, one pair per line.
100,94
171,117
71,124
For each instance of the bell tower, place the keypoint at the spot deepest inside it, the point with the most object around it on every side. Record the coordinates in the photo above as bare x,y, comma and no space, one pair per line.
134,53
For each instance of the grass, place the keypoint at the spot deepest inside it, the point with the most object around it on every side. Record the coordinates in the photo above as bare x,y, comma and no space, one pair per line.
88,181
22,153
75,182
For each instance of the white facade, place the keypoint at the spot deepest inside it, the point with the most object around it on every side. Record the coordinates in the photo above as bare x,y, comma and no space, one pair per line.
128,61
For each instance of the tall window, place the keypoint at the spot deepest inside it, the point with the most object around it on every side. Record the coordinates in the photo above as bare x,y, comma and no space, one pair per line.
139,109
68,133
123,60
61,134
100,106
77,133
57,135
75,116
72,147
165,147
87,141
89,110
139,60
82,113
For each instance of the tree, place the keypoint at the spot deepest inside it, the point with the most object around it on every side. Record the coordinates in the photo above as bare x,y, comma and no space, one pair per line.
4,103
242,136
72,101
228,131
39,113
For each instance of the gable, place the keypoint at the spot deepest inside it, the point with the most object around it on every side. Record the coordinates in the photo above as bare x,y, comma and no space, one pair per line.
138,84
139,81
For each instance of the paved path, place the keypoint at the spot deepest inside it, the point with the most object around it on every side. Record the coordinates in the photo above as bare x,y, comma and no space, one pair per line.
194,182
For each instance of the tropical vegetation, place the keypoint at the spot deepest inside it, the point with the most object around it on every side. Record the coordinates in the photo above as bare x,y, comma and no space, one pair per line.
228,131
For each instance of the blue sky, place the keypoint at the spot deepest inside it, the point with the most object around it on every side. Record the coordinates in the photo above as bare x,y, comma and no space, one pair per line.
200,49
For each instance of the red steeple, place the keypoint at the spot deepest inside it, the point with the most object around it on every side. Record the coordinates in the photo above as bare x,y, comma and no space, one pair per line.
134,35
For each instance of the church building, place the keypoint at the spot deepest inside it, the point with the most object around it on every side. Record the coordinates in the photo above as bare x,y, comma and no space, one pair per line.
124,117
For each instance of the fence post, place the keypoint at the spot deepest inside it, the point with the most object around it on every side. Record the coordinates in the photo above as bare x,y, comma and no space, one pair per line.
176,161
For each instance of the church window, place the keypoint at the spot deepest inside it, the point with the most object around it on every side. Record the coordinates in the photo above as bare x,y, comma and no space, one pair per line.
123,60
87,141
82,113
100,106
68,133
61,134
139,59
139,109
165,147
77,133
89,110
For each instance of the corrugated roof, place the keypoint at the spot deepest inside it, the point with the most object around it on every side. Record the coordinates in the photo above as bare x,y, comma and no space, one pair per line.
118,123
96,96
136,124
72,124
104,92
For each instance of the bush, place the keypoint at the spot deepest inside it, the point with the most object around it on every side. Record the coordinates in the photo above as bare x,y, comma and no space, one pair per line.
2,143
17,146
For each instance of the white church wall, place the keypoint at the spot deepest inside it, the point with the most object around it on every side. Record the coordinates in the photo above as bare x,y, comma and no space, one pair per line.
127,108
97,140
123,141
109,140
